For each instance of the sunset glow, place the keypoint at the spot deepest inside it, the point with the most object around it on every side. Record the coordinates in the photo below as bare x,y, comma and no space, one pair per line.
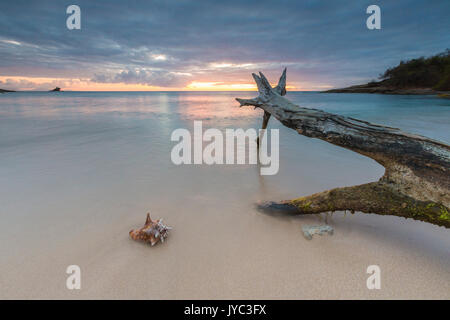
194,50
219,86
67,84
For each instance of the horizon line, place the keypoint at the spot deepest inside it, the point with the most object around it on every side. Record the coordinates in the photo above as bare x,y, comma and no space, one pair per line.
50,91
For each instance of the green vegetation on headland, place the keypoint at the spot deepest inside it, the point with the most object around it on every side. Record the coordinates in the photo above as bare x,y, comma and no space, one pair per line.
417,76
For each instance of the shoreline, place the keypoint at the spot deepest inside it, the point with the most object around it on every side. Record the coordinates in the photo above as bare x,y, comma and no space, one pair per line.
226,251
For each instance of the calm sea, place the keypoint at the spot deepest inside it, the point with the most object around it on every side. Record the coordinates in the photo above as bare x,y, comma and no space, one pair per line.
78,170
71,160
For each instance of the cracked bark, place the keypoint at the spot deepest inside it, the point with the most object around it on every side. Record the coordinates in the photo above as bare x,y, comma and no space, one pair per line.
416,182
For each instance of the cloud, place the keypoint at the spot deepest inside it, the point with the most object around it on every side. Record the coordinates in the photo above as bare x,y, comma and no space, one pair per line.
25,84
322,42
151,78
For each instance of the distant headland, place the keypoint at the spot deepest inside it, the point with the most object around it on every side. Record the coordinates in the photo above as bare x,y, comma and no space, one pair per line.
57,89
3,91
417,76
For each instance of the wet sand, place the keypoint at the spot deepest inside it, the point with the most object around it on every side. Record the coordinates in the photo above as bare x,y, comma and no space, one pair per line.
79,170
241,255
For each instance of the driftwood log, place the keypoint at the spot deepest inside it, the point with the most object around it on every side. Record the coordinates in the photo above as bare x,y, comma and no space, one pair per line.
416,182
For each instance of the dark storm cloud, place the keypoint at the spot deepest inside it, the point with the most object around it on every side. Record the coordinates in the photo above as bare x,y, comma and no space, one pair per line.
150,41
152,78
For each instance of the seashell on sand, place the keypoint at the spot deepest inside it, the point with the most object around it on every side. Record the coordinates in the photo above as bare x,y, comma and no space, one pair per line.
152,231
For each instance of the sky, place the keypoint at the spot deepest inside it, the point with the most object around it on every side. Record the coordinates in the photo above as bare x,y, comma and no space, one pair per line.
211,45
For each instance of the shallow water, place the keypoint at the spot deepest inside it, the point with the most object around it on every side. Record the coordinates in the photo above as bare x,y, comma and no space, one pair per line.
78,170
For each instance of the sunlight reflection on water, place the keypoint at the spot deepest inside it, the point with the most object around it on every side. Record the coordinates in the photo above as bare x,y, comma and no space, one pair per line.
81,155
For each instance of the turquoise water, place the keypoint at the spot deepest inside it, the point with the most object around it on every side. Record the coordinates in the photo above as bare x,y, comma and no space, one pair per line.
76,149
75,163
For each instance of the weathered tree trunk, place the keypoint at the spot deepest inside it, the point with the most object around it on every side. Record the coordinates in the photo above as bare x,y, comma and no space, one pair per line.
416,183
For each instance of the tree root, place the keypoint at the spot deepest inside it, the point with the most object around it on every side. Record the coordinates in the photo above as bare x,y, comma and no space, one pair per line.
416,183
375,197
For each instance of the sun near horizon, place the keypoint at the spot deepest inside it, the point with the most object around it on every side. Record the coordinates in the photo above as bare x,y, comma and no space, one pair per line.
68,84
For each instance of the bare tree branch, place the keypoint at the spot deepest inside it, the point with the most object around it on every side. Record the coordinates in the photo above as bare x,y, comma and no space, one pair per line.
416,183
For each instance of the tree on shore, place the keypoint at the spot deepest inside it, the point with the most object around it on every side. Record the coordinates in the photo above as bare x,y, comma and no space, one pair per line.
432,72
416,182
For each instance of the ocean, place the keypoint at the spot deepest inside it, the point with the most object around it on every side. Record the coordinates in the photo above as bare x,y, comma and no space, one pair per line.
78,170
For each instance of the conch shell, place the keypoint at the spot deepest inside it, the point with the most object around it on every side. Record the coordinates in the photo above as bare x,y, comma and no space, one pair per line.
152,231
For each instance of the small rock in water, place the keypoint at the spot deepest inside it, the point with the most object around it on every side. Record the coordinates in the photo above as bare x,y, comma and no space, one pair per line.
310,230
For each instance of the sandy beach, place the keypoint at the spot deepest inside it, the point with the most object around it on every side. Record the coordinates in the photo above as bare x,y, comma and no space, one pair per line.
88,167
241,255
